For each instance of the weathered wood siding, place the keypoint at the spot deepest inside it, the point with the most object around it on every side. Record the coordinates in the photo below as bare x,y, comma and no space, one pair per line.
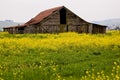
48,25
52,24
98,29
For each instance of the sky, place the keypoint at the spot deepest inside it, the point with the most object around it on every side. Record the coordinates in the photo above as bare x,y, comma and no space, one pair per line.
89,10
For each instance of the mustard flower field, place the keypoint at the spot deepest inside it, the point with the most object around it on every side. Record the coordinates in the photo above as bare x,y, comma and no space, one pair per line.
64,56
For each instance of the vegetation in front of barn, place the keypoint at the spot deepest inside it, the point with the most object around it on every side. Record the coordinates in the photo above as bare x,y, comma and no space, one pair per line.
65,56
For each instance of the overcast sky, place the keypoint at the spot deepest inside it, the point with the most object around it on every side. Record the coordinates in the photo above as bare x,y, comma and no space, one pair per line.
89,10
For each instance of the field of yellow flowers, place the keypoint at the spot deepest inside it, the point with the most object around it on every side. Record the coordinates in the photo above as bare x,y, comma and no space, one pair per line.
64,56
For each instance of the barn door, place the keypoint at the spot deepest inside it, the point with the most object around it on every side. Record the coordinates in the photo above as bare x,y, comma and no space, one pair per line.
64,28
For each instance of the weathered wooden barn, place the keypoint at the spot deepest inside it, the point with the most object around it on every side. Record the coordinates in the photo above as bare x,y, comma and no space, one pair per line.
56,20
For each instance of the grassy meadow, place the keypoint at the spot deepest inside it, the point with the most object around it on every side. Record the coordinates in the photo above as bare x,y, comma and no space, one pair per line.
64,56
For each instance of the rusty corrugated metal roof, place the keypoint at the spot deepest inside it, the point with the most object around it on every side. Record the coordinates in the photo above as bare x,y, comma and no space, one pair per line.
43,15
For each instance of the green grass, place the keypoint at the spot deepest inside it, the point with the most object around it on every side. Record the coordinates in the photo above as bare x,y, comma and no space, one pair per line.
65,56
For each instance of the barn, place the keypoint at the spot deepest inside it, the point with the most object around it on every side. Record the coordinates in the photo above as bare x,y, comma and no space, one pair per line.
56,20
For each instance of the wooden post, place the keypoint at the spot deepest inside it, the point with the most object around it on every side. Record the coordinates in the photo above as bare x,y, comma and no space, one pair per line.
90,28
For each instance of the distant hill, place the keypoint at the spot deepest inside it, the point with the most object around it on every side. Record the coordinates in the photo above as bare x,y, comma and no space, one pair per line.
111,23
8,23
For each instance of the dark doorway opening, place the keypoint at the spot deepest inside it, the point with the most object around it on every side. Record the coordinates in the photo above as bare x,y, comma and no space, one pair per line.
63,16
21,30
